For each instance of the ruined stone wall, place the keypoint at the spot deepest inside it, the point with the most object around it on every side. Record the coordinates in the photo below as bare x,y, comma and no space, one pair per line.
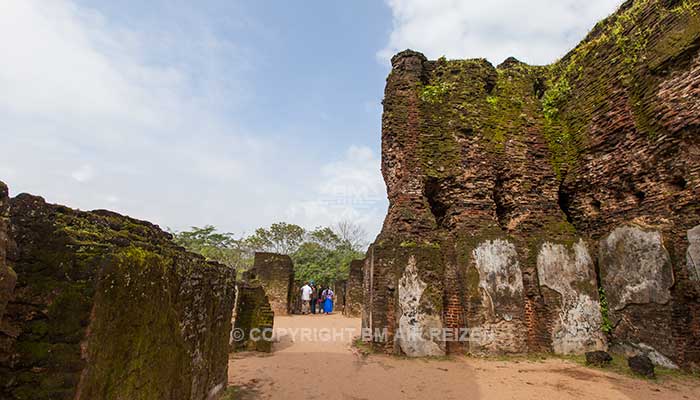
509,187
340,290
107,307
276,273
353,289
253,311
632,169
368,308
7,274
295,301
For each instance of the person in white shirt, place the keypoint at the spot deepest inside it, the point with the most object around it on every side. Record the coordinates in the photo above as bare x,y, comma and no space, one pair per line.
305,298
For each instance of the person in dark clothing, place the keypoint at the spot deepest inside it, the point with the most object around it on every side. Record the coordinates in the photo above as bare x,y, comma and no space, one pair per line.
314,297
320,300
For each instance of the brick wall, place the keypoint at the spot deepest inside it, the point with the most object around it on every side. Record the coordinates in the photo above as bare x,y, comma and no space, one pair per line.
354,289
547,162
276,274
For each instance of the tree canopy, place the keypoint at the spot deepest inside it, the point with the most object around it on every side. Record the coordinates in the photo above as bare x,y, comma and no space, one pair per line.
280,237
322,254
213,245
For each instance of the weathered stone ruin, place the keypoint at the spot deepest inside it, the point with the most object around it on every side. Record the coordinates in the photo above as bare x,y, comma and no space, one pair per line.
353,289
276,274
519,193
108,307
8,277
339,289
254,319
295,301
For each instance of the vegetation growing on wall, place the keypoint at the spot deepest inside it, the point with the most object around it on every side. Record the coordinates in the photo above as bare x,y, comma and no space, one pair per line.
435,93
621,47
606,326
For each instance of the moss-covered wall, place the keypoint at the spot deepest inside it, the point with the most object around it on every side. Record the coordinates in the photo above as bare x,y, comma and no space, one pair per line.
353,289
253,312
276,273
623,109
107,307
295,301
7,274
550,159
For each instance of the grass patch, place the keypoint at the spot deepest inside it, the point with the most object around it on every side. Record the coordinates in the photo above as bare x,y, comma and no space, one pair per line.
424,359
516,358
229,393
362,347
618,365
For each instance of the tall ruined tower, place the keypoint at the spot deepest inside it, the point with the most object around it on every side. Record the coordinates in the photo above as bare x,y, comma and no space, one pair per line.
519,193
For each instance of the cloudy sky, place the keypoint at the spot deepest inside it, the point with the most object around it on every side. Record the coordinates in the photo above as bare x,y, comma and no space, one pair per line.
233,113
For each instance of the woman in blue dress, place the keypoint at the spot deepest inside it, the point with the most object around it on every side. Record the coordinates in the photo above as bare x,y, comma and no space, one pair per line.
328,301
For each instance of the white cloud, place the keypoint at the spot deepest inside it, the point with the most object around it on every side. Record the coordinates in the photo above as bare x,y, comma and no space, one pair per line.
54,70
89,121
534,31
351,189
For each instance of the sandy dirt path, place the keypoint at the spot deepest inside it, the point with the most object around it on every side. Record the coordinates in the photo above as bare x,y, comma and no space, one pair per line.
324,367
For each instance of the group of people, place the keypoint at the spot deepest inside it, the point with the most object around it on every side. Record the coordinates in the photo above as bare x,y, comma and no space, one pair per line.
316,299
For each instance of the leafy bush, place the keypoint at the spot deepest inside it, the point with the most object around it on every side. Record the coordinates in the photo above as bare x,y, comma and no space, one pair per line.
606,326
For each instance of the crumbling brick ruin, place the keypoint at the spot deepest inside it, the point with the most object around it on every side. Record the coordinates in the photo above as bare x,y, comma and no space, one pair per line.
295,300
276,273
518,192
353,289
8,277
108,307
252,312
339,289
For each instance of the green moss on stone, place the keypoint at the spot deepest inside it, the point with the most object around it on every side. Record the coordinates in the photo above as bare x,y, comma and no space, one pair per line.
434,94
135,290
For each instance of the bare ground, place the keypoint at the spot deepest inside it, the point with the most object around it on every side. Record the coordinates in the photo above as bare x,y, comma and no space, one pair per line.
323,367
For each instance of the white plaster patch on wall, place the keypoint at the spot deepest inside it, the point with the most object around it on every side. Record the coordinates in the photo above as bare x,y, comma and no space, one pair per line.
635,267
500,278
693,253
578,328
558,268
415,327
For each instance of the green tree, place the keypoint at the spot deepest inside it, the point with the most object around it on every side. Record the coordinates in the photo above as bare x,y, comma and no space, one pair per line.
216,246
324,237
280,237
324,257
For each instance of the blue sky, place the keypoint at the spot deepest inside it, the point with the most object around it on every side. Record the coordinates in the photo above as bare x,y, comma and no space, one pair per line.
233,113
308,72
